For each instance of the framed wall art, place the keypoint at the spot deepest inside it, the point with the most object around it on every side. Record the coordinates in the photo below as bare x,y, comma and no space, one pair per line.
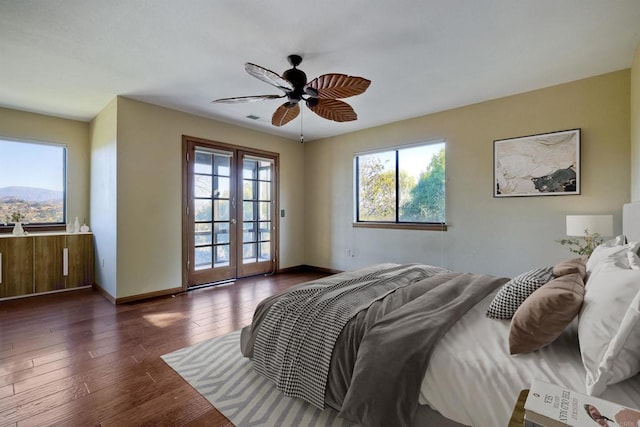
546,164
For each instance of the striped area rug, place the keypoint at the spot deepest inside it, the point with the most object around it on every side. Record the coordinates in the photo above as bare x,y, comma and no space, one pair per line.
217,370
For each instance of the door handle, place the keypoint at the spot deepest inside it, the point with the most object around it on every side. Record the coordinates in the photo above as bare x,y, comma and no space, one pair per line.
233,221
65,261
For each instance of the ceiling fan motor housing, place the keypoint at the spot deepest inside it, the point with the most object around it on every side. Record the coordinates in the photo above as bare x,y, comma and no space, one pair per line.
298,79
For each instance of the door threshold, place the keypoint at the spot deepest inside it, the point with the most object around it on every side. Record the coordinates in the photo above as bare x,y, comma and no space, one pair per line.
208,285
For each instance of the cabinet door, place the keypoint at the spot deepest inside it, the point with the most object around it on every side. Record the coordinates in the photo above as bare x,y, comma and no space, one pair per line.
80,260
48,263
17,266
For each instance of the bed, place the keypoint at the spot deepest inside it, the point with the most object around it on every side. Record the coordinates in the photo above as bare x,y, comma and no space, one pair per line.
458,371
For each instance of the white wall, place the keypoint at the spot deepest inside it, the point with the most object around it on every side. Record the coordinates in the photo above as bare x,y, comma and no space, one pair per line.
497,236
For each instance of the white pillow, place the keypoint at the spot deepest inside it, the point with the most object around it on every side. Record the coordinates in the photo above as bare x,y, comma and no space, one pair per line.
605,252
609,326
634,260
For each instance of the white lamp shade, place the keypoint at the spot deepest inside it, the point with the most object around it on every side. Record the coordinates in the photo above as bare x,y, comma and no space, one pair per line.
601,224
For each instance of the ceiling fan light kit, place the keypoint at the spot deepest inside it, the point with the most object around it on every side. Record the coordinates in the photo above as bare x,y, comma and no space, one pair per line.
321,95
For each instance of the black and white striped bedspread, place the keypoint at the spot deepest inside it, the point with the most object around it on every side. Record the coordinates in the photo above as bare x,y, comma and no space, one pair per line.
295,341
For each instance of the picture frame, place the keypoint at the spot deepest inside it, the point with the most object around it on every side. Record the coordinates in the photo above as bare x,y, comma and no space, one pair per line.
546,164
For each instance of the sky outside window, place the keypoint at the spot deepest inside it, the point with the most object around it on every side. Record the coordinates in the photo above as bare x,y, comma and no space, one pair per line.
31,165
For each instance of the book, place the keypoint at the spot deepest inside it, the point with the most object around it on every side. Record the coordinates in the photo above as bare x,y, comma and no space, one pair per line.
550,405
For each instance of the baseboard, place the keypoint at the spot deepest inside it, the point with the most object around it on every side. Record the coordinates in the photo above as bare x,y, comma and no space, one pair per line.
162,293
166,292
104,293
138,297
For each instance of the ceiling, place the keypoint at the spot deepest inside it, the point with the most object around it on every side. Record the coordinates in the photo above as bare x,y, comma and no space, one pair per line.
70,58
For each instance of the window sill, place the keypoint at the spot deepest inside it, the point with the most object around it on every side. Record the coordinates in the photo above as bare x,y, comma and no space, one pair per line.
401,226
7,229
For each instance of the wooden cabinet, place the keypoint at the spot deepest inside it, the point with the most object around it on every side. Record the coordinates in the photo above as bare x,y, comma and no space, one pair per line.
45,262
80,260
16,266
48,263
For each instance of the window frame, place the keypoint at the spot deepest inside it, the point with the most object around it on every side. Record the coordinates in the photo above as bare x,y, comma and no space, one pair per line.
44,227
396,224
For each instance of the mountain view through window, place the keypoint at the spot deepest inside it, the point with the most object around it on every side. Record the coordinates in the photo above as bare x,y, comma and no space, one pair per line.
32,182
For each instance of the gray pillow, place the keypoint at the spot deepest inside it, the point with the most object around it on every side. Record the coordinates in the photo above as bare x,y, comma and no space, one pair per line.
516,290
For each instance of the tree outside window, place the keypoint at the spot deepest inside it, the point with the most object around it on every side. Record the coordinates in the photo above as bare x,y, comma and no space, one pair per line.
405,185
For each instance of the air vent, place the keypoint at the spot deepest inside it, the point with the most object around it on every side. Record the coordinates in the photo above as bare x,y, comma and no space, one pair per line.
252,117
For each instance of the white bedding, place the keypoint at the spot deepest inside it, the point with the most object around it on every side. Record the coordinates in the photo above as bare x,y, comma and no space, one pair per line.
473,380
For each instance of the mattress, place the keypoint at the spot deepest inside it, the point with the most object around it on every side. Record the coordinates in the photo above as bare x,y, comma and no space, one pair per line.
473,380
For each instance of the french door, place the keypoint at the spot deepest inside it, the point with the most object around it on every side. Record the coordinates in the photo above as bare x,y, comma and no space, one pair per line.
229,221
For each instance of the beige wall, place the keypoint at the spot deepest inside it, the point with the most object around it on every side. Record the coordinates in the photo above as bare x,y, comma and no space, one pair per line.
75,134
149,192
104,200
135,182
635,127
497,236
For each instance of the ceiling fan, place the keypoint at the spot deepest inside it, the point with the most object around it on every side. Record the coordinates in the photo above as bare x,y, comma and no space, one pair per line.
321,94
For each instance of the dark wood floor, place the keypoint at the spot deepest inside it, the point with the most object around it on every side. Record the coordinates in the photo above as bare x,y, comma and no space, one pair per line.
74,359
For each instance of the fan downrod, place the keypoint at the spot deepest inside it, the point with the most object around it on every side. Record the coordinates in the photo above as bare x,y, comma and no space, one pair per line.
294,60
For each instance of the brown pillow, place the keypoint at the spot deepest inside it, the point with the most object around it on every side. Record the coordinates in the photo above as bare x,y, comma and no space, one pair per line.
546,313
577,265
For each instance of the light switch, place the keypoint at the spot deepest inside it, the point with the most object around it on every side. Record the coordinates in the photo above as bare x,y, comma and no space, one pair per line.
281,213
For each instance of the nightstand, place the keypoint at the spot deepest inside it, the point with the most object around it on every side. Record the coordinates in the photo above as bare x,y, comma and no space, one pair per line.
517,416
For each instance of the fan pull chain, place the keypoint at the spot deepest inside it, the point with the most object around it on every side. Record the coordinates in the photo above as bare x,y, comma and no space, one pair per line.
301,135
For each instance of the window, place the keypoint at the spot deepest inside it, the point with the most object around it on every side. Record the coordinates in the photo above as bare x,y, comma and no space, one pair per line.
405,185
32,183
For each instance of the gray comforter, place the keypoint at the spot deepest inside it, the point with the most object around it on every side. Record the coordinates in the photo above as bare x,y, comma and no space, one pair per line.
383,352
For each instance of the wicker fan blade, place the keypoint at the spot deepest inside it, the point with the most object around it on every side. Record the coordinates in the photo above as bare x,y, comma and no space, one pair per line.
285,113
268,76
333,109
335,86
239,99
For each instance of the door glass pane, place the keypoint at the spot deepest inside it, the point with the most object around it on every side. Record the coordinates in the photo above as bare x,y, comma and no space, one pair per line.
265,251
249,169
202,258
203,210
221,210
264,173
265,191
248,232
222,255
248,190
202,233
221,186
265,211
221,232
249,252
202,186
202,163
265,231
222,164
247,211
